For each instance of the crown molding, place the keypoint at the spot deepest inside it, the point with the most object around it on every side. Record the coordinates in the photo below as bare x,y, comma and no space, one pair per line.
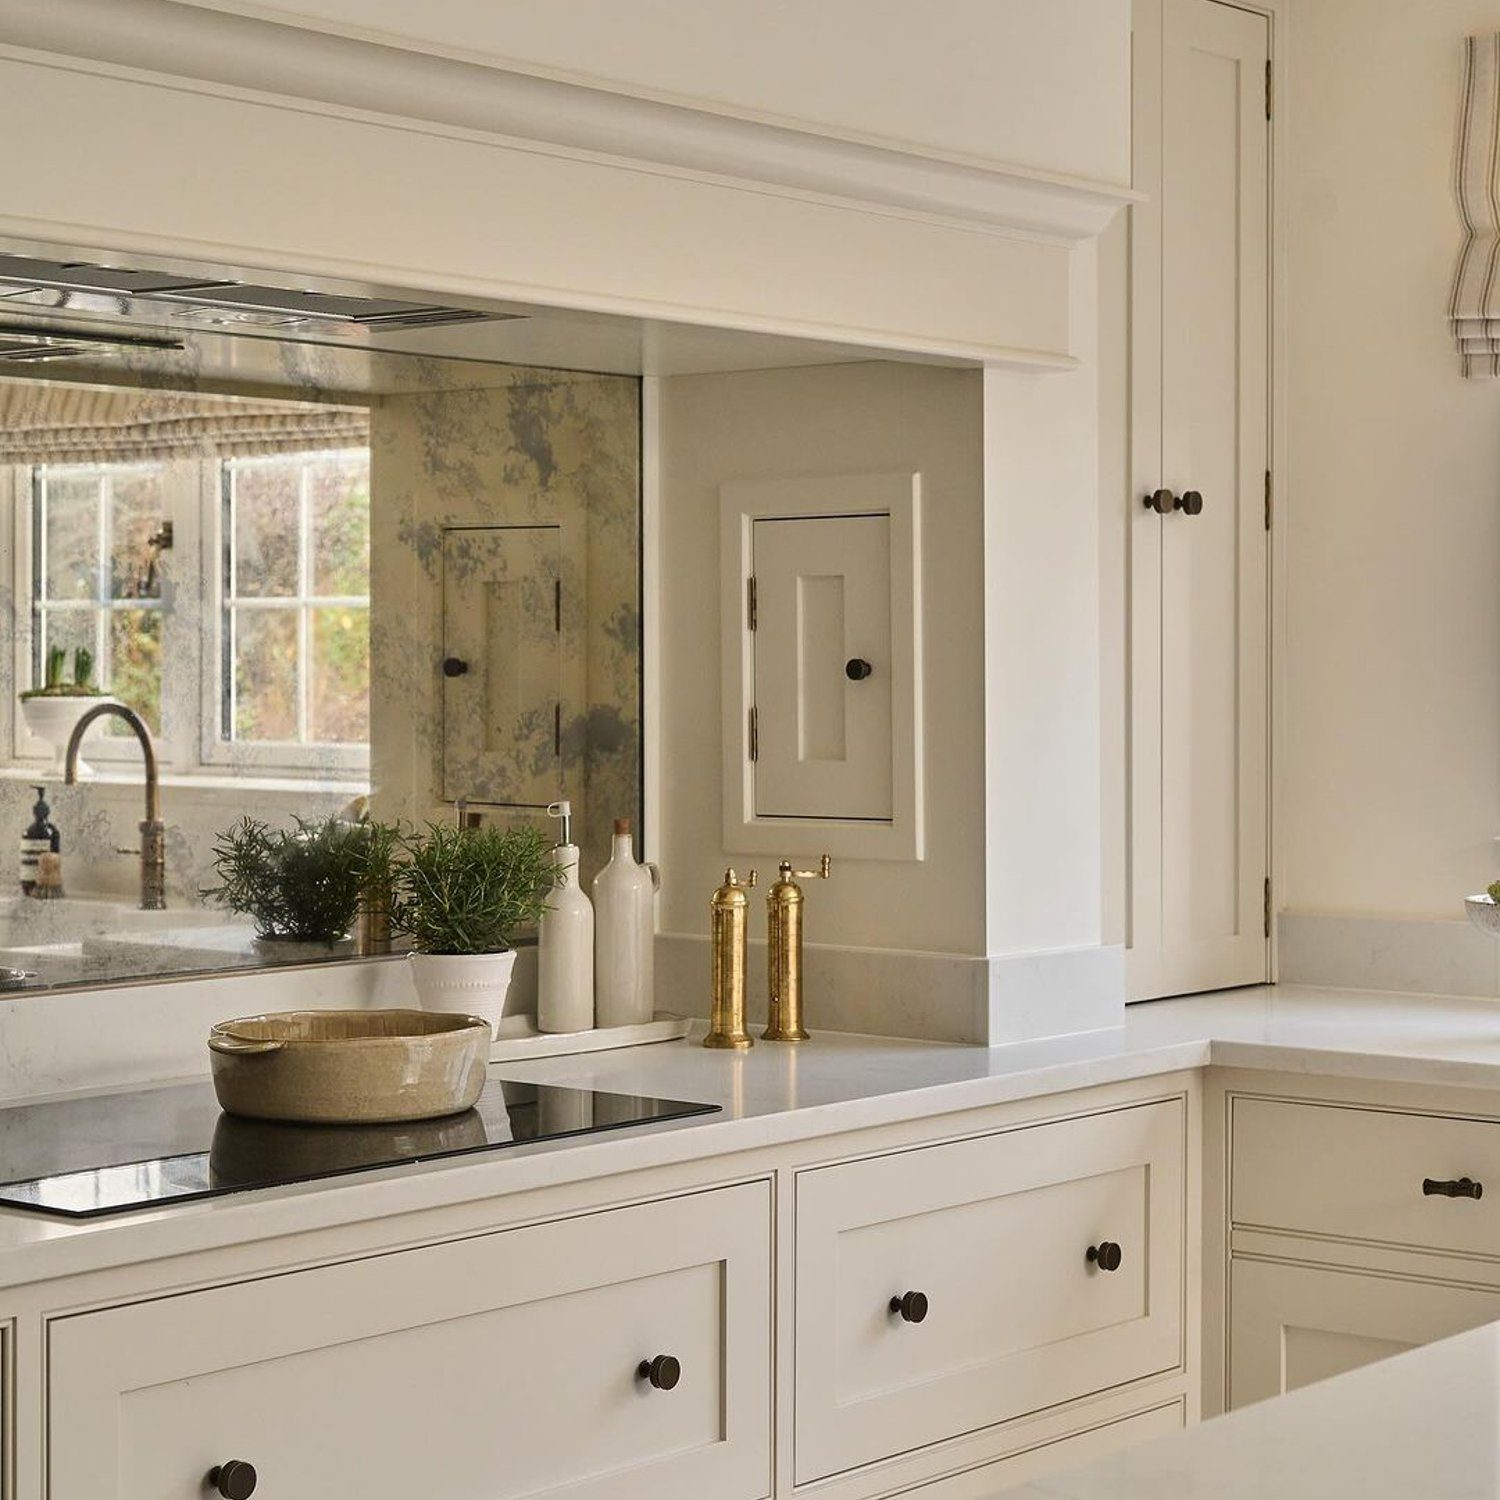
215,50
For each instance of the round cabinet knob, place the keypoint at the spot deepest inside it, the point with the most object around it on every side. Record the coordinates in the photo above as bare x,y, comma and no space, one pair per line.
454,666
1105,1255
912,1306
1191,503
663,1372
234,1480
856,669
1163,502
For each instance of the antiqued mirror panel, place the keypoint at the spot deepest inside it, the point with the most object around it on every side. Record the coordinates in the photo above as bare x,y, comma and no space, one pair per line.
296,574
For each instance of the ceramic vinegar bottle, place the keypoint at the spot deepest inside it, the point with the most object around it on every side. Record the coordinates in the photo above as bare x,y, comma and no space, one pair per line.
565,942
624,936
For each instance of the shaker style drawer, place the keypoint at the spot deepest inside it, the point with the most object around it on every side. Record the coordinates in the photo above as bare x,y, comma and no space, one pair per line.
501,1366
943,1289
1367,1174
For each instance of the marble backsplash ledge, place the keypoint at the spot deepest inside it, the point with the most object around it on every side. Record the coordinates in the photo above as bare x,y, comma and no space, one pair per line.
1387,953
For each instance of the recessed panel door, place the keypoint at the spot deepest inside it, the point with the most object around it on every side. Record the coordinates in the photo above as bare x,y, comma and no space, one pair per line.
1200,649
822,645
503,664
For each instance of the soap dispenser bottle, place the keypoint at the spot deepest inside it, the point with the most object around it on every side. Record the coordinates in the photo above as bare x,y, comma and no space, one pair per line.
565,949
624,934
41,837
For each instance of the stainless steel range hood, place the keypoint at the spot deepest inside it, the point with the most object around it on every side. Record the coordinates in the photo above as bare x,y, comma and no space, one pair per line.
24,277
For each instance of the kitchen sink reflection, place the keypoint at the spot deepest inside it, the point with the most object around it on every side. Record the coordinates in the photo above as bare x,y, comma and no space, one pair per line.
75,940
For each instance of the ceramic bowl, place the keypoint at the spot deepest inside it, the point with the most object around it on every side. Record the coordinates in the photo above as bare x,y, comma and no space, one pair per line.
345,1067
1484,914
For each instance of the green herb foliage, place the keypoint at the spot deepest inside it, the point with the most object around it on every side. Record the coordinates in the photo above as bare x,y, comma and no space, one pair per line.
301,883
471,890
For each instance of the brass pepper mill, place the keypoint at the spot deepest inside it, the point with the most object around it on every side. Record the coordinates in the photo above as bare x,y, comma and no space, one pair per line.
784,958
729,941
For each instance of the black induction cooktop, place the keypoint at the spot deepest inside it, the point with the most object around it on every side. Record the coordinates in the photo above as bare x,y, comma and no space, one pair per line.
80,1158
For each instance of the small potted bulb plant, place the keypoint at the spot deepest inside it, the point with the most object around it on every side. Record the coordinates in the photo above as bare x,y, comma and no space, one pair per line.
51,711
1484,911
301,886
462,897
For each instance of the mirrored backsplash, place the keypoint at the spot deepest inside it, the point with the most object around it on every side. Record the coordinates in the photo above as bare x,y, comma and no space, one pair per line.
328,595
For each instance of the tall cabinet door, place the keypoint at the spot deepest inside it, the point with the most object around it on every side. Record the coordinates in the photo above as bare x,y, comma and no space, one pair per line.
1199,566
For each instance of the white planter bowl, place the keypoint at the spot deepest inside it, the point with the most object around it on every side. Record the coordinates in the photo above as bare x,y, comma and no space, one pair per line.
473,984
1484,914
52,720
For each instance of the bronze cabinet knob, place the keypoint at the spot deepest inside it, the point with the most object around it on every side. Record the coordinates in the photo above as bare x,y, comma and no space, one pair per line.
1163,502
1106,1255
910,1306
1191,503
856,669
454,666
234,1479
663,1372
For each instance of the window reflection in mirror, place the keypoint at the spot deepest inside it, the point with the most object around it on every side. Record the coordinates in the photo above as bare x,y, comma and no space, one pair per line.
272,578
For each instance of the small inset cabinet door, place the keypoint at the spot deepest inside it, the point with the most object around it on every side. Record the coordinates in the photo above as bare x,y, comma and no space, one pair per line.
822,645
1294,1324
510,652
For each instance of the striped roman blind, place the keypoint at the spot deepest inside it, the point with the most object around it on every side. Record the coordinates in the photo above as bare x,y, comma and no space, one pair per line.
1474,307
46,423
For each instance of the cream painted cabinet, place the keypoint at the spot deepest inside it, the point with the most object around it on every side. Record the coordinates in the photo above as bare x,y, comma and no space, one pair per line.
1294,1324
1199,476
943,1290
503,1365
1354,1232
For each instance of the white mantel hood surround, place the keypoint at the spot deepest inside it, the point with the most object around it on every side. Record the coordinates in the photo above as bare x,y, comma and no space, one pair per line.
466,177
263,145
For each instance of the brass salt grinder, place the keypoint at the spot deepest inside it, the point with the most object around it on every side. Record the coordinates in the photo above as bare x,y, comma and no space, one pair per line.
729,942
784,956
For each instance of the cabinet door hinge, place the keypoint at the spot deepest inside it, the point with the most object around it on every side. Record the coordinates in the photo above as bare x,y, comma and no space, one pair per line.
1268,499
754,733
1269,87
1268,907
752,607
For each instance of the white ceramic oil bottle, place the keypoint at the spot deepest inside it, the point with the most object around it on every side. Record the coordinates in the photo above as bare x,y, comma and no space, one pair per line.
624,936
565,942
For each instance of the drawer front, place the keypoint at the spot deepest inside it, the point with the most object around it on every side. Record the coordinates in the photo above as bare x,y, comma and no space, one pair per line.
994,1233
1358,1174
500,1366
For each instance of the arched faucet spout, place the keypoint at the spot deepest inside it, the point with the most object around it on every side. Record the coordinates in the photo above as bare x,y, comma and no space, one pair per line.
153,849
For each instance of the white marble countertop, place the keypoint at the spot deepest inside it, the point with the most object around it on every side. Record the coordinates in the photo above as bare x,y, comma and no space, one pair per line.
777,1094
1423,1425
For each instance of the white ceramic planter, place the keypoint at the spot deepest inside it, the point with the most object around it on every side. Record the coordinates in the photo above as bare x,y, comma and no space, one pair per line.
52,720
471,984
1484,914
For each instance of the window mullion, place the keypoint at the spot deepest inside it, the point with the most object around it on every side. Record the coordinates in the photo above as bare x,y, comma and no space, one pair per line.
304,589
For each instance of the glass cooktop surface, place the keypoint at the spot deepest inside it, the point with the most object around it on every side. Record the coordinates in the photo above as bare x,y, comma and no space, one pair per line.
79,1158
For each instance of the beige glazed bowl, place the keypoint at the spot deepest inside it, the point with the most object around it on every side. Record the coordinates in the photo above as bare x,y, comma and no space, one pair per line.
341,1067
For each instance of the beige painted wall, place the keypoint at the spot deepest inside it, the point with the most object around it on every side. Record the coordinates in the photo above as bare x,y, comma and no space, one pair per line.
798,423
1392,731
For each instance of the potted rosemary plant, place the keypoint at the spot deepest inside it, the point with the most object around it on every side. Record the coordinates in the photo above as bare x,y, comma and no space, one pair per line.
463,895
299,885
